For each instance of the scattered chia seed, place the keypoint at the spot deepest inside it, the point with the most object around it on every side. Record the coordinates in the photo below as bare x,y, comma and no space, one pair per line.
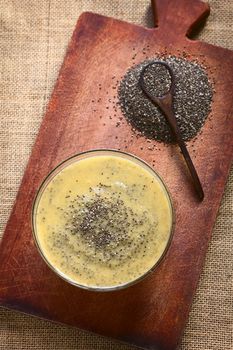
103,221
192,98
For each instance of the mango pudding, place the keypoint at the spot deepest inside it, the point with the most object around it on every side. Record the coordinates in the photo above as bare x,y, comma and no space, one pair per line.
102,220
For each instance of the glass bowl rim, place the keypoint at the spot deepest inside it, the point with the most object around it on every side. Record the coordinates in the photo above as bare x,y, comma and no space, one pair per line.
48,178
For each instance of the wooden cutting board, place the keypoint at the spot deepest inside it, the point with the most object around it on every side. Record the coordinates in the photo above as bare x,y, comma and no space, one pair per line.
81,116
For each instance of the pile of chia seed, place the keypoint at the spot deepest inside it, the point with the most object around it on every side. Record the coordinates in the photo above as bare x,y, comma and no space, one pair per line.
104,223
192,98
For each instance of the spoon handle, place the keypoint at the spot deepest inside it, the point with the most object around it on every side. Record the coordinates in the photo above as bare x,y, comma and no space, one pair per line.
166,106
193,172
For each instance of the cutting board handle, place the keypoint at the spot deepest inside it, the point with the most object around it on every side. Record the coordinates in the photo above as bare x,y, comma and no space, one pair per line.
179,16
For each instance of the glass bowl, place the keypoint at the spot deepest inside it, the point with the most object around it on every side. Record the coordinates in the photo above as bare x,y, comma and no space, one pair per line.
78,158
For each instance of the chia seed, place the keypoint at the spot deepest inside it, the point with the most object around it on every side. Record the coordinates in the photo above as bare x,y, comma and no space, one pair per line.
103,222
193,95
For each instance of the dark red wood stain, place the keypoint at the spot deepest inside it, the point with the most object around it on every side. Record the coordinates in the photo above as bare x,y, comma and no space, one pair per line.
153,313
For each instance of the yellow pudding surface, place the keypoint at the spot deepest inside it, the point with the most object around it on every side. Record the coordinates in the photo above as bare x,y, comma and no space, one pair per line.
103,221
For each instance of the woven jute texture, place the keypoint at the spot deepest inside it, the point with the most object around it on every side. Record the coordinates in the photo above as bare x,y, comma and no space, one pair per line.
34,36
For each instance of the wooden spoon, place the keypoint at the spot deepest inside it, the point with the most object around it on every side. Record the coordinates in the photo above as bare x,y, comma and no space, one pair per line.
165,103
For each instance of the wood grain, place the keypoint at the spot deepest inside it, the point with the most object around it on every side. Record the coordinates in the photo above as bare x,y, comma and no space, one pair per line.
153,313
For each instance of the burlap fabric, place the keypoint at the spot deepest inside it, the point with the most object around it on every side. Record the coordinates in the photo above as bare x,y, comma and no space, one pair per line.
34,36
